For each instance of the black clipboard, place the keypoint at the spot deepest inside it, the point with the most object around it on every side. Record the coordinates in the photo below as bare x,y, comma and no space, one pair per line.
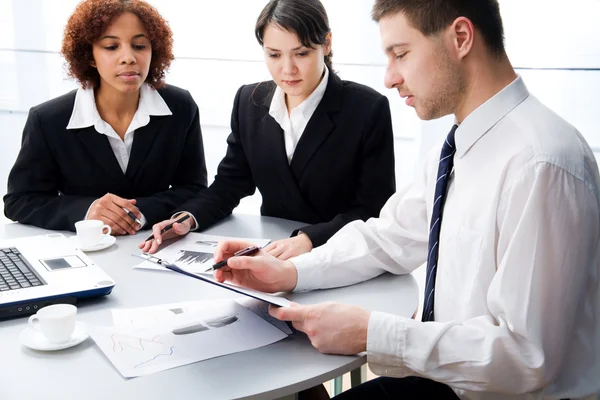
255,294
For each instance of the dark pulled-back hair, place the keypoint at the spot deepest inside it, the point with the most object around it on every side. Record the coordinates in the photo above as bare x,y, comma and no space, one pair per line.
91,18
306,18
430,17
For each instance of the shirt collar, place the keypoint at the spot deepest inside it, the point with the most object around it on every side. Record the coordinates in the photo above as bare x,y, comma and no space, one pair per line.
484,117
85,113
278,109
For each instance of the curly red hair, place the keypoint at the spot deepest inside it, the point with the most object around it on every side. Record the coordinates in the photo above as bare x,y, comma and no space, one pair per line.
90,20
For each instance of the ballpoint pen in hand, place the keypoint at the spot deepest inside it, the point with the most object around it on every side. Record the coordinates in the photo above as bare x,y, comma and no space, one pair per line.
132,216
169,227
248,251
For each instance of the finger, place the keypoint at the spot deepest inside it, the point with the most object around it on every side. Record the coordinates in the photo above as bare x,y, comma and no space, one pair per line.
131,225
121,202
116,203
223,275
247,263
146,246
156,228
180,229
153,246
277,251
298,325
115,228
286,254
295,313
226,248
270,247
120,218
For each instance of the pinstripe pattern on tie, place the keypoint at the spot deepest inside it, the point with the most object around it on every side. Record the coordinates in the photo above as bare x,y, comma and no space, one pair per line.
441,187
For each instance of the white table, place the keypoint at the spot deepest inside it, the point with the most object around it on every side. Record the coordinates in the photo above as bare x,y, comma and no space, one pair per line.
283,368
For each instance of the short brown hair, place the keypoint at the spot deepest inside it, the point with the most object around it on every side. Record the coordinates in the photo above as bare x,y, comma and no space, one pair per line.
430,17
91,18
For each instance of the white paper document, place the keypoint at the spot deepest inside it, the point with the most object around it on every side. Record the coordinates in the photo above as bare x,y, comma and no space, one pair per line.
193,252
153,339
148,316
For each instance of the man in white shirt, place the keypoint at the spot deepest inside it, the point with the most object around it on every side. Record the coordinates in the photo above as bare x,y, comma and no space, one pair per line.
512,298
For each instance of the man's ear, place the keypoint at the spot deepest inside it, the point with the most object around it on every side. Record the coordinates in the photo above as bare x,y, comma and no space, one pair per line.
463,33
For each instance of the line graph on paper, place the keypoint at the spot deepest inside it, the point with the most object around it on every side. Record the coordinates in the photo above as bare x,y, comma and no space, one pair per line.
141,351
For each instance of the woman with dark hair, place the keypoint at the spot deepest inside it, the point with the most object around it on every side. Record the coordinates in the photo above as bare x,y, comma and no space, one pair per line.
124,148
319,149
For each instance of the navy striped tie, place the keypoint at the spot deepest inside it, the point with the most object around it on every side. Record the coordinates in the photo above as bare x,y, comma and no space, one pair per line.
441,187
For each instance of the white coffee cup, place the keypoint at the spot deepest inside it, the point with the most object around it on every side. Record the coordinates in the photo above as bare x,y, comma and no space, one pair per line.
90,232
56,322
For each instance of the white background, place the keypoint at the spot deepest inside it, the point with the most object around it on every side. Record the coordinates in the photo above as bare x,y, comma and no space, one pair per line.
553,44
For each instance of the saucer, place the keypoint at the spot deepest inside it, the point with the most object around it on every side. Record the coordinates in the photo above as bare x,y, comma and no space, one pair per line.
107,241
34,339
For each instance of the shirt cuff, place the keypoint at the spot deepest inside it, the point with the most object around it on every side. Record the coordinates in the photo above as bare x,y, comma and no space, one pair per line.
386,339
143,220
191,215
89,208
310,267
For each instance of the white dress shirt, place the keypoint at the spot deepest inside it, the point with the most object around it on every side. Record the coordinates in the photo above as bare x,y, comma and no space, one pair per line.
85,114
294,123
517,299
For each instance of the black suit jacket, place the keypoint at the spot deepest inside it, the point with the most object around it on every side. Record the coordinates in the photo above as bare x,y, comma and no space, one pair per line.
60,172
342,168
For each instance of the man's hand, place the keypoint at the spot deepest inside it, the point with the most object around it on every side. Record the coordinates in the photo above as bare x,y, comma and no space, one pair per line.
178,229
290,247
331,327
109,209
261,271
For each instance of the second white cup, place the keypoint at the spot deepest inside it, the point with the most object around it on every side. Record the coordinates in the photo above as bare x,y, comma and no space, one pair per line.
90,232
56,322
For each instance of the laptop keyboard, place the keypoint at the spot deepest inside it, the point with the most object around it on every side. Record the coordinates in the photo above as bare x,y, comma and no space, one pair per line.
15,271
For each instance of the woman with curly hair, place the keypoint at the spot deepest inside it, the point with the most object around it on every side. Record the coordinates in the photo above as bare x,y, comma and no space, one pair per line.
124,148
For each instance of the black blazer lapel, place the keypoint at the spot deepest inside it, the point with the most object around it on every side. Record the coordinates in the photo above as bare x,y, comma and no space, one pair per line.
274,146
319,126
99,148
143,140
272,141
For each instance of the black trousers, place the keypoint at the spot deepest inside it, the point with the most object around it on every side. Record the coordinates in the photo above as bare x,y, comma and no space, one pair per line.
408,388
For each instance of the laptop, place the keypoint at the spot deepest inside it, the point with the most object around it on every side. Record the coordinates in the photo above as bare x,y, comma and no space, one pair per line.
37,271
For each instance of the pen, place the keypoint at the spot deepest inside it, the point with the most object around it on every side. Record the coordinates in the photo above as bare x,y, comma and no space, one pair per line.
132,216
168,227
248,251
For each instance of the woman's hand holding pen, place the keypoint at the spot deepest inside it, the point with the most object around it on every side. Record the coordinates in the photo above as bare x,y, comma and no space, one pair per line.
110,209
177,229
261,271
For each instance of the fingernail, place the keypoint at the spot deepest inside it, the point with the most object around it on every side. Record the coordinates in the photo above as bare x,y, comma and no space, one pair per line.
158,241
